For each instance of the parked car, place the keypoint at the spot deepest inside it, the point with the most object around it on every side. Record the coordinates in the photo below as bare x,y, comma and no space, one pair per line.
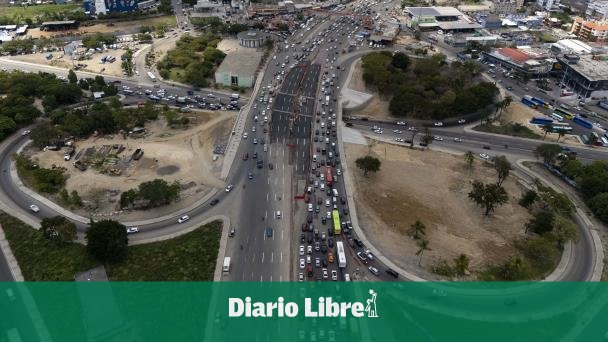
183,219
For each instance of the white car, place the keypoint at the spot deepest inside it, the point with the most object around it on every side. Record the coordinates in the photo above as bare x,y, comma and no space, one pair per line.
399,140
437,138
183,219
369,254
439,124
457,140
34,208
461,121
325,274
300,276
229,187
484,156
26,132
244,135
334,275
400,123
309,249
302,264
132,230
301,250
373,270
396,131
338,172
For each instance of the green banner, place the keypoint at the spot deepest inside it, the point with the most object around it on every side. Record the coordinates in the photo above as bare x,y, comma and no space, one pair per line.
327,311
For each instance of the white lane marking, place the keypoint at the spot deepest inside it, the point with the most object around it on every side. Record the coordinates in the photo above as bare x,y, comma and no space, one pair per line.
281,257
271,257
280,278
262,257
275,197
268,339
269,180
261,280
268,197
266,215
282,234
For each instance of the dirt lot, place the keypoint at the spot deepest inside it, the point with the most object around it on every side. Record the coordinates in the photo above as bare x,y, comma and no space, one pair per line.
130,26
185,155
377,107
93,64
522,114
404,191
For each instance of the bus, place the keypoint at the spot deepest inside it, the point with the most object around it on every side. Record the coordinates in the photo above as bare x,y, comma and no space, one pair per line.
540,102
564,113
557,117
337,227
341,254
152,77
560,128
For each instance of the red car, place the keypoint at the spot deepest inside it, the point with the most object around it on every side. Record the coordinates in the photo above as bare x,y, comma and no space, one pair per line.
304,227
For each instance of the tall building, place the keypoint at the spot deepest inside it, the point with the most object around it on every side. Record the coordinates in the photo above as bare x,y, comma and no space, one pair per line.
597,10
503,7
547,4
590,30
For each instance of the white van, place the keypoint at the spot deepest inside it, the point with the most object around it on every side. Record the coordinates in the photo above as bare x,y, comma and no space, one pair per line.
278,215
335,191
226,267
346,278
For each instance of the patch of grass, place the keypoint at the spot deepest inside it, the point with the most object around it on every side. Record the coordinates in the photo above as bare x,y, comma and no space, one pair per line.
190,257
177,74
39,10
167,20
512,129
40,259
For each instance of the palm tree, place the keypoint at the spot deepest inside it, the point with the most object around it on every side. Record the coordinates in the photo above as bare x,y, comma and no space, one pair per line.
469,158
548,128
506,102
423,246
417,228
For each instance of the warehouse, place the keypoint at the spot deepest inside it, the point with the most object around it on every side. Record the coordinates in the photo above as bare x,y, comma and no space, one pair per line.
239,68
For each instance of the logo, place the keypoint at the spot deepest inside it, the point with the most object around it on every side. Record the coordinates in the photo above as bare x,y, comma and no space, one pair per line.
322,307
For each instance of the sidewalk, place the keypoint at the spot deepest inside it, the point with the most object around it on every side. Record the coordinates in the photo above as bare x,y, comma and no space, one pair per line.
10,258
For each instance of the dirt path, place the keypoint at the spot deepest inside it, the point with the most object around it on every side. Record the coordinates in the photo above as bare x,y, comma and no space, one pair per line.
432,187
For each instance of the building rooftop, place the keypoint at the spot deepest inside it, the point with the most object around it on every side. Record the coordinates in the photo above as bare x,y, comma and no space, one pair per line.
514,54
457,25
251,34
64,22
592,68
241,62
434,11
573,45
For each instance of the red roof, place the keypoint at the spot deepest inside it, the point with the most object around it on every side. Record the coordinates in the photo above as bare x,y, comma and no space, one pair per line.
514,54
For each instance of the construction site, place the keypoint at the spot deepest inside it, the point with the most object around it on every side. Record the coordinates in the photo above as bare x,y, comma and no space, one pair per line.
100,168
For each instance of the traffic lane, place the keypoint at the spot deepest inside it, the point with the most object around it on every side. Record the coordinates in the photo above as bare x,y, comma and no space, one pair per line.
584,153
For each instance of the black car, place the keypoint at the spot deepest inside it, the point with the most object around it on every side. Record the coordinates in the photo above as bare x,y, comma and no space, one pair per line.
330,232
330,243
392,272
323,248
345,211
270,166
214,202
358,242
250,175
302,238
310,239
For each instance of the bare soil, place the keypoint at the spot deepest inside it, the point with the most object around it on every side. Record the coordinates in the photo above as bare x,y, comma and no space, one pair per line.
184,155
377,106
433,187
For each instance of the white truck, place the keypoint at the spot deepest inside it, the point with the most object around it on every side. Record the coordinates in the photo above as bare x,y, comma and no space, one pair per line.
226,267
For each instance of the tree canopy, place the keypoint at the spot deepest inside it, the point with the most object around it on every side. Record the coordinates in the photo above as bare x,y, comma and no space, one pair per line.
58,229
428,88
488,196
367,164
151,194
107,241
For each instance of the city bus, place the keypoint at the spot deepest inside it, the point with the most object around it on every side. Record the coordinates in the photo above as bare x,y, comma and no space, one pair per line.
152,77
337,227
564,113
557,117
341,254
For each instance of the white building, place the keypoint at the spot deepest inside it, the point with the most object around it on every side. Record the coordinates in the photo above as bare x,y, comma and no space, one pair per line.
597,9
547,4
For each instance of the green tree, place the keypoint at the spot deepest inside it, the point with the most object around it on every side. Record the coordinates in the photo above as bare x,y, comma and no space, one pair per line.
423,245
599,205
572,168
49,181
511,270
502,167
547,152
461,264
58,229
417,229
72,76
488,196
7,126
401,61
528,198
107,241
158,192
427,138
75,199
541,223
64,196
127,198
564,230
367,164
